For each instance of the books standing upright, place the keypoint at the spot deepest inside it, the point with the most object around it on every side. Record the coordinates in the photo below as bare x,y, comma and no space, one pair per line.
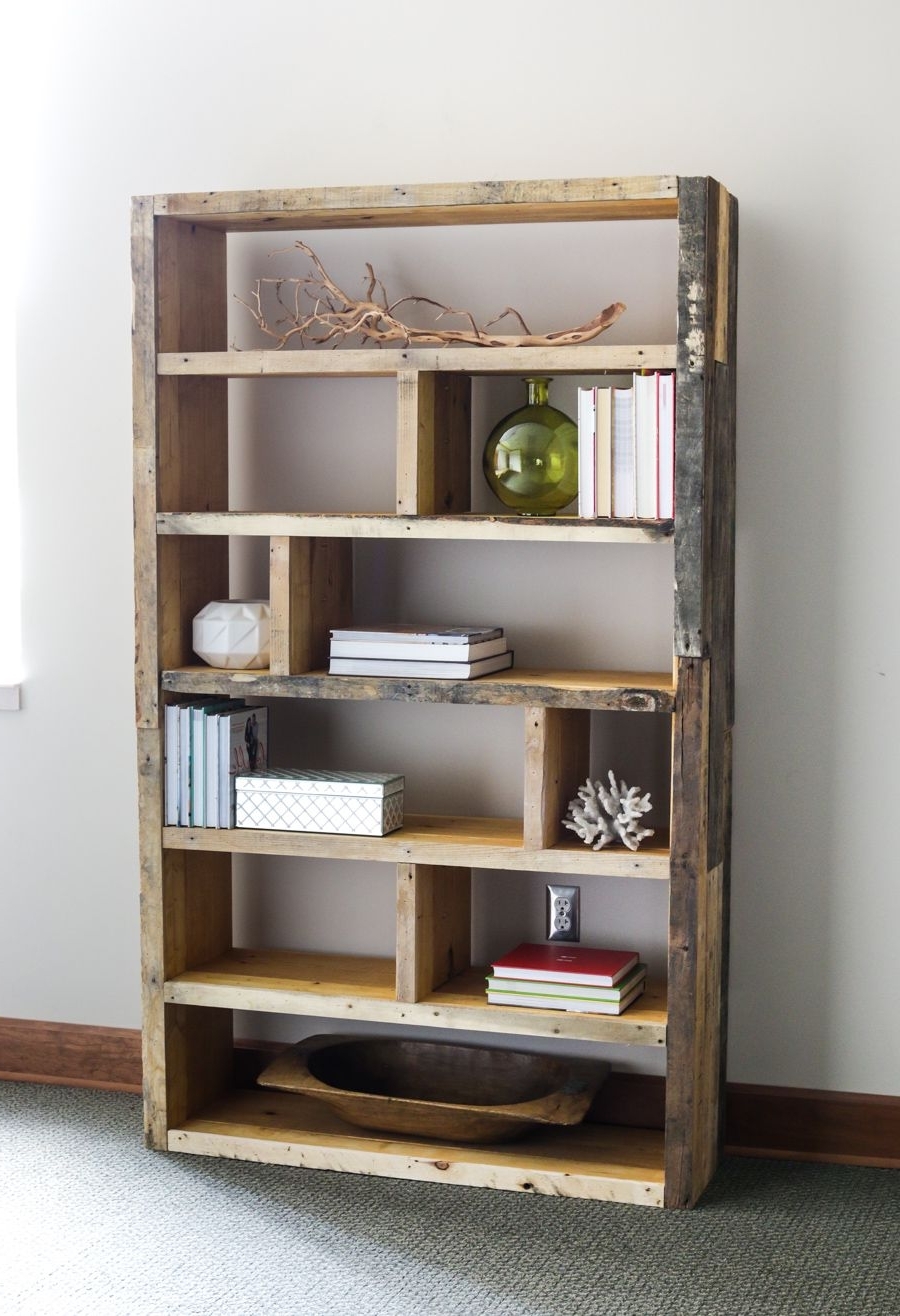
243,747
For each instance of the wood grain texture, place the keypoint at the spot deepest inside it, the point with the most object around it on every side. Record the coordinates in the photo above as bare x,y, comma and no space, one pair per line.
696,298
434,927
557,761
354,363
433,443
630,692
143,349
427,839
364,525
310,591
490,202
287,1129
362,988
74,1055
685,1159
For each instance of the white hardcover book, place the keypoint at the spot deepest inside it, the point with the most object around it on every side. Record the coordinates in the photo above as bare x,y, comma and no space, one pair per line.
646,441
666,446
211,759
243,747
623,501
184,765
171,771
603,445
419,633
587,453
454,653
408,668
196,792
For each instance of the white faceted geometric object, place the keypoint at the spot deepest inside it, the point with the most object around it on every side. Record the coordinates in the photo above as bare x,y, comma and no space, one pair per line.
233,633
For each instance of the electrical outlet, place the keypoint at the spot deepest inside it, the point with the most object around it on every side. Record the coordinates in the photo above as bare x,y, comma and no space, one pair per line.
563,913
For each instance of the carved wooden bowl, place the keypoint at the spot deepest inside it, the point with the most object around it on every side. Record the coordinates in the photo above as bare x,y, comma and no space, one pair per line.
436,1089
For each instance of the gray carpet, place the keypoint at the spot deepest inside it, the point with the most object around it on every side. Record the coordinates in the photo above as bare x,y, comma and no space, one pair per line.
92,1223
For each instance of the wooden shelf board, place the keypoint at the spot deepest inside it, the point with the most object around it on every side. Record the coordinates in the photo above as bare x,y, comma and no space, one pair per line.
641,692
386,525
354,363
362,987
606,1163
493,202
429,839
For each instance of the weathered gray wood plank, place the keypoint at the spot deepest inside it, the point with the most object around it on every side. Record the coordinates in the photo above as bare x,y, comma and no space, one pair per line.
633,692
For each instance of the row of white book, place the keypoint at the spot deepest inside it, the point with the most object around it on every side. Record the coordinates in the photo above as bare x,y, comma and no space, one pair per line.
626,448
458,653
208,741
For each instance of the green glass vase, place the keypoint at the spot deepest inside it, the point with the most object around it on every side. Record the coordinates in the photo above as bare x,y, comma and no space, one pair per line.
531,456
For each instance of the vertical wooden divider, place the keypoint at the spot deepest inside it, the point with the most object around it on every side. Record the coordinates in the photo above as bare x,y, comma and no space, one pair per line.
557,760
434,917
181,451
695,939
310,591
434,420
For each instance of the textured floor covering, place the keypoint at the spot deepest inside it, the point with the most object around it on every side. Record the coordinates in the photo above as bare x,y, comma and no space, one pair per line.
92,1223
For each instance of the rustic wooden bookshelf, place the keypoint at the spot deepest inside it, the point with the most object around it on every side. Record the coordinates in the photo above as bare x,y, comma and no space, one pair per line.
194,977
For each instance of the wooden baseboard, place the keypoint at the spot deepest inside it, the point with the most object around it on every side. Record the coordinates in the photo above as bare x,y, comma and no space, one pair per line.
853,1128
802,1124
78,1055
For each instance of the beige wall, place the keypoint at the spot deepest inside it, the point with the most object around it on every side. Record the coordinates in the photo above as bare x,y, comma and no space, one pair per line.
793,107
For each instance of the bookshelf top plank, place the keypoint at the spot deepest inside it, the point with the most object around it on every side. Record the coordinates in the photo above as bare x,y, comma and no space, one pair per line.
490,202
354,363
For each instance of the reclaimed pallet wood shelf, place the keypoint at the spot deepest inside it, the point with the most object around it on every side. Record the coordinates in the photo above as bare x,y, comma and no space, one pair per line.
361,525
424,839
593,1161
634,692
195,977
350,363
364,988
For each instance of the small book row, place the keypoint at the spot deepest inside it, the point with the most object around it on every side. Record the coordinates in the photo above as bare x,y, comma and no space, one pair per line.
562,976
207,743
458,653
626,448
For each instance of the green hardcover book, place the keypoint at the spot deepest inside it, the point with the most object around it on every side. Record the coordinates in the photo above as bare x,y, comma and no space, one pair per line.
534,987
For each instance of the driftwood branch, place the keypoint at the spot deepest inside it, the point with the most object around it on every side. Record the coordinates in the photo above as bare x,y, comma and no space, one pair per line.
315,310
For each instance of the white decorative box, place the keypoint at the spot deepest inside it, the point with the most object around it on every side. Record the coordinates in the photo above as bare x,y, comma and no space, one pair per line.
311,800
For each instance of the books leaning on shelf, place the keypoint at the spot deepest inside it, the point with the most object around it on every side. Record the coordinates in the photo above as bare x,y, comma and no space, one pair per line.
460,652
626,449
207,742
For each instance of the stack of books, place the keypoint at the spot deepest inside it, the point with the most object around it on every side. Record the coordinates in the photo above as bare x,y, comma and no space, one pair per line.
457,653
626,448
561,976
207,743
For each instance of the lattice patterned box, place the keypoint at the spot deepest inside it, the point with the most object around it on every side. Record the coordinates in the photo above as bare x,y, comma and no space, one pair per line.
310,800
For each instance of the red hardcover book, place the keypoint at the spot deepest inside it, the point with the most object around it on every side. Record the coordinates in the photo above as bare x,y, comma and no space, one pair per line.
563,962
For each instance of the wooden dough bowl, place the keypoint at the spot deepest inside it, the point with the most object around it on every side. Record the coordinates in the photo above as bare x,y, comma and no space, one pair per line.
436,1089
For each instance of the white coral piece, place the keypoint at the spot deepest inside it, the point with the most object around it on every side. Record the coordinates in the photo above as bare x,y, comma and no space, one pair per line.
605,816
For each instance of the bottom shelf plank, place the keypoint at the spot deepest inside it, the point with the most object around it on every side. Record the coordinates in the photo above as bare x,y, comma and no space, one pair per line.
595,1161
